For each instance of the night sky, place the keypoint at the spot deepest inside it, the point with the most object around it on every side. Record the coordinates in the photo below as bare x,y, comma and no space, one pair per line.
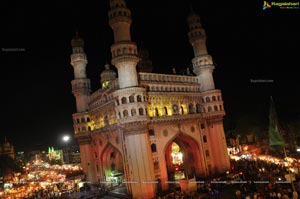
245,42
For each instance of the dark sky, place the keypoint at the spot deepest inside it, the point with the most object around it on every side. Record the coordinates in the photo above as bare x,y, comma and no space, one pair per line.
246,43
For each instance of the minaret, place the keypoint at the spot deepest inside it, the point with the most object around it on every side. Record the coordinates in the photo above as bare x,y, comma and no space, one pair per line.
213,109
124,51
131,106
81,88
202,62
81,84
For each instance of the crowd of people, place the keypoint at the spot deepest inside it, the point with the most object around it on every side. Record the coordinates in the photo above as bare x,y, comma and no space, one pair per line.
266,180
257,180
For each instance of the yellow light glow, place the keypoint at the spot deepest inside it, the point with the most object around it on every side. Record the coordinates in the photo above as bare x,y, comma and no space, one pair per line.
101,122
91,124
177,156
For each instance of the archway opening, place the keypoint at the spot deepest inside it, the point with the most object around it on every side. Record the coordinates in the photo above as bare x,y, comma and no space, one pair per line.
183,159
113,169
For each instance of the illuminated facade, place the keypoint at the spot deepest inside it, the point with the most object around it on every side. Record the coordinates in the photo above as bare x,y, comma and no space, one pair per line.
148,126
55,155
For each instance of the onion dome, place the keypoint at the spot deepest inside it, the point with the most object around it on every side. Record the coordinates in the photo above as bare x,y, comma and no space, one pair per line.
107,76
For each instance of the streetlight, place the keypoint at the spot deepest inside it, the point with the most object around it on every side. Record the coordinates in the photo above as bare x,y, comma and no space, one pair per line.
66,139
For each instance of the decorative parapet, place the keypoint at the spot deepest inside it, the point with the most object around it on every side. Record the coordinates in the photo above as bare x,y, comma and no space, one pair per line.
152,77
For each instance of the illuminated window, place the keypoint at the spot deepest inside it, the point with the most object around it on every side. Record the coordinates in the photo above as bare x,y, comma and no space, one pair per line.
105,84
177,156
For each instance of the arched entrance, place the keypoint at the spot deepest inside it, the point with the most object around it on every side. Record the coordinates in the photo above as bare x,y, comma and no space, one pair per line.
112,164
183,158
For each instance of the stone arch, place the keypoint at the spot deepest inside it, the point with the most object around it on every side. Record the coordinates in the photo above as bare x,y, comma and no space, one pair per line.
214,98
156,111
215,108
133,112
175,109
139,98
131,98
141,111
166,110
209,109
192,160
112,161
191,108
198,108
125,113
207,99
124,100
181,110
